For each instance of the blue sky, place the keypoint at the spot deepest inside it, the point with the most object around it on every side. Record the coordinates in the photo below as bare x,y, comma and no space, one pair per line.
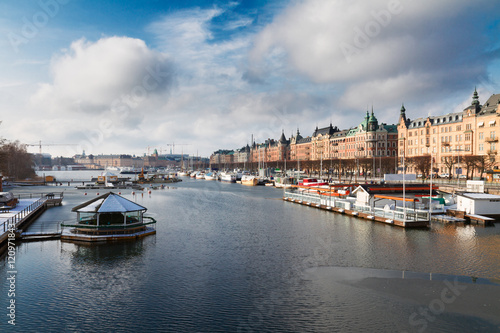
122,76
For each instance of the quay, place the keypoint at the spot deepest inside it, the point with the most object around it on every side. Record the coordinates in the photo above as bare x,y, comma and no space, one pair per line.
28,209
331,200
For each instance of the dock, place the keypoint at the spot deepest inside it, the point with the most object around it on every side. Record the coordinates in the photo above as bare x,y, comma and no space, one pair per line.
480,219
40,236
408,218
30,206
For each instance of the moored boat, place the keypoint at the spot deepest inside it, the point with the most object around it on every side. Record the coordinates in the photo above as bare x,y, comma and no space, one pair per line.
227,177
249,180
312,182
211,176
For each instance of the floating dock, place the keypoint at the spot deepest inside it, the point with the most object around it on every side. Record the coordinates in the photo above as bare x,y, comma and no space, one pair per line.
316,197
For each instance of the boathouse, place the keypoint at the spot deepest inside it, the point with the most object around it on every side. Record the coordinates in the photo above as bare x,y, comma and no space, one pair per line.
478,203
109,217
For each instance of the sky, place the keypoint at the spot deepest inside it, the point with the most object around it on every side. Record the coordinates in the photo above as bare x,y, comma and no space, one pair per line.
128,77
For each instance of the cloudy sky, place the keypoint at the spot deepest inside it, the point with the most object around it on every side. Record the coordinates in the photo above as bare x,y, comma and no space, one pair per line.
128,76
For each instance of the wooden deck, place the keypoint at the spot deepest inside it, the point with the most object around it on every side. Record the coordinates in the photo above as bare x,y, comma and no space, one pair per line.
480,219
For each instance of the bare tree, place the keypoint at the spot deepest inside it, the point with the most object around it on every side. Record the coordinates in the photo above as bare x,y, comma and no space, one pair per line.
449,162
15,162
484,162
471,162
422,165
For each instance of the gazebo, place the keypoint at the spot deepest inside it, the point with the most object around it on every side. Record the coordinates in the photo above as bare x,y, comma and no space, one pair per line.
109,217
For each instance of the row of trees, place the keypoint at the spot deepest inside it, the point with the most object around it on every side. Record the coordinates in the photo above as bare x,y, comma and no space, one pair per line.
15,161
472,163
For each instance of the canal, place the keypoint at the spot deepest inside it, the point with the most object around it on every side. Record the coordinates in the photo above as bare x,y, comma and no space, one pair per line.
230,258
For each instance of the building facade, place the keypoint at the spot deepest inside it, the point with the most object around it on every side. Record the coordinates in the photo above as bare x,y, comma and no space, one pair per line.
454,141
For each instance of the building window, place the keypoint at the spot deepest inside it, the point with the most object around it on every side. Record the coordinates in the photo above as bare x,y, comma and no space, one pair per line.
467,137
468,126
467,147
481,135
492,134
481,147
459,127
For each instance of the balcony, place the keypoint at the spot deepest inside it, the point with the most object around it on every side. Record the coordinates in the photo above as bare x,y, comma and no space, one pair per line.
491,152
361,148
445,144
491,139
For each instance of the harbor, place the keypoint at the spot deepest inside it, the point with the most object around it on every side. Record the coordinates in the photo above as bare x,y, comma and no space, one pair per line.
261,239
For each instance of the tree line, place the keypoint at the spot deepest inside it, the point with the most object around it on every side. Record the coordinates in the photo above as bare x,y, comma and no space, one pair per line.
15,161
472,163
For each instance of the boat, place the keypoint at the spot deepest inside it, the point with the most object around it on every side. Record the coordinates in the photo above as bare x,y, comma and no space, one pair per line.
211,176
249,180
114,169
200,175
193,174
130,171
227,177
283,182
182,174
312,182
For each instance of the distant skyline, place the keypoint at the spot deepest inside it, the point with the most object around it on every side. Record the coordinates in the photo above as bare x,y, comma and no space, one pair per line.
121,76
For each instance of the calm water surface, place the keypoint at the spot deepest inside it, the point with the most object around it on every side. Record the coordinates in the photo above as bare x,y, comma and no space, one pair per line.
230,258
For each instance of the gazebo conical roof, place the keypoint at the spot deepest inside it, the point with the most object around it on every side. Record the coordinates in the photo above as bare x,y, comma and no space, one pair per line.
108,203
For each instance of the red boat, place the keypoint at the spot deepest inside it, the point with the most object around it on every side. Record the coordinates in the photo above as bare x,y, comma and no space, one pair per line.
312,182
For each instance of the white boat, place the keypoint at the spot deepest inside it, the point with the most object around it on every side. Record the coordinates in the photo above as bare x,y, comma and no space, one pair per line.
114,169
130,171
227,177
249,180
182,174
200,175
211,176
193,174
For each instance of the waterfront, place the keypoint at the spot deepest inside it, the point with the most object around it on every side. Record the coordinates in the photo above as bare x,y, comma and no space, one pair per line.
228,257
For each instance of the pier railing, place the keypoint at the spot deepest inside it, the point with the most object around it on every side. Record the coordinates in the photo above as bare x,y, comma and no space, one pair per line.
19,216
51,195
407,214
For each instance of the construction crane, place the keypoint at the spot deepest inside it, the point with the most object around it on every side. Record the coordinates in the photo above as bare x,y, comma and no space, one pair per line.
172,145
39,144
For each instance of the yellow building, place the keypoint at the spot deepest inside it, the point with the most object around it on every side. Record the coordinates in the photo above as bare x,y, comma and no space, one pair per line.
458,142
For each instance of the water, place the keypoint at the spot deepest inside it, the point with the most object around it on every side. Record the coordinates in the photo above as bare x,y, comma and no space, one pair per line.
230,258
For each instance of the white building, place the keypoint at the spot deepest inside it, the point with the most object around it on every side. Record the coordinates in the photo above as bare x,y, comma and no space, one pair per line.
478,203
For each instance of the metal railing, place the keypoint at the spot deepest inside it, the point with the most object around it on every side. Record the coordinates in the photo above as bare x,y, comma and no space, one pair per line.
111,226
50,195
407,215
14,220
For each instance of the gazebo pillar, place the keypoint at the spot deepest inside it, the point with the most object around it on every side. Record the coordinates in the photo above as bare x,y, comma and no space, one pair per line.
98,219
125,218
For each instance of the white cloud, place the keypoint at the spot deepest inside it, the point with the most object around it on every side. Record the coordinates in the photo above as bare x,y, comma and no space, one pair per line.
92,75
